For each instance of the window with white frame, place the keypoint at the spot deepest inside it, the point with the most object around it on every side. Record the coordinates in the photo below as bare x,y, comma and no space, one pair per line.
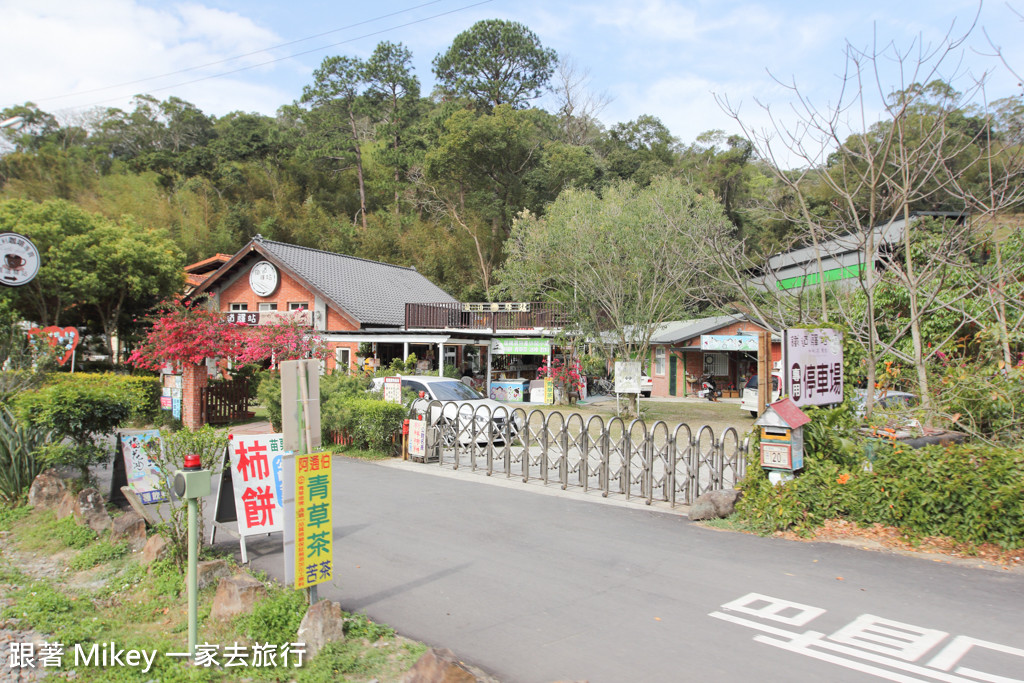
342,358
268,306
659,360
239,307
298,305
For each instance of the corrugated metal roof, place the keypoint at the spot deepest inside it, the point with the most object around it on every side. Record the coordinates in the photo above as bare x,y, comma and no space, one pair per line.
676,331
374,293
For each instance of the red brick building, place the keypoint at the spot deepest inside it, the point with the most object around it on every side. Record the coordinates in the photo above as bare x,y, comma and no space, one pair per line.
723,346
341,293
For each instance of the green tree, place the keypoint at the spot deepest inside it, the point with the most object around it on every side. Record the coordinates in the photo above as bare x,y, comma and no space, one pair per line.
122,270
335,117
627,260
495,62
90,265
638,150
393,92
475,175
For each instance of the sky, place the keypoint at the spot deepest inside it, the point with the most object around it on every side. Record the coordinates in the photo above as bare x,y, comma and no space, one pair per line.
671,59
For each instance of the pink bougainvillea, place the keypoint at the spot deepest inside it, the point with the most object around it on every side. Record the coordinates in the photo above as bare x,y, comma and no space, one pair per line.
180,334
290,339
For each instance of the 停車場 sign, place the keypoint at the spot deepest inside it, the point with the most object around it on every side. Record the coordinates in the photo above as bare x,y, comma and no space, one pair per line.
812,362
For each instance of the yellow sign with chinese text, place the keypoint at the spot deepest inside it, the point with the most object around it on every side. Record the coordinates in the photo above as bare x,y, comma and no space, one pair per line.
314,523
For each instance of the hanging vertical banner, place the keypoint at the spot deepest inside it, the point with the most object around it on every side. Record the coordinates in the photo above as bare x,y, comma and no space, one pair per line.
257,482
314,527
143,476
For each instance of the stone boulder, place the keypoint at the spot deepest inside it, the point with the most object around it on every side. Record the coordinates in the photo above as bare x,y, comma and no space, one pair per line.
66,506
46,490
322,624
130,528
211,571
442,666
91,510
156,548
236,595
715,505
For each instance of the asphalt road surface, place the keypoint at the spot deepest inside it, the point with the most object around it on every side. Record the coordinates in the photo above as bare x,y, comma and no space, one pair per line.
539,588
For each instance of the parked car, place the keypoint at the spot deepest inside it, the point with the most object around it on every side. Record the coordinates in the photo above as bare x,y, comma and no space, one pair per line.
748,397
885,400
646,386
461,407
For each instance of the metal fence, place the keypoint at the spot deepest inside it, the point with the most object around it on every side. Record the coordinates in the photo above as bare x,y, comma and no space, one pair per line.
633,459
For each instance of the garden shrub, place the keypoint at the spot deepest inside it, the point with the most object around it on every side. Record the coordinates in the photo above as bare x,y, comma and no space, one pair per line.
338,386
142,391
206,442
369,422
80,408
276,618
968,492
19,461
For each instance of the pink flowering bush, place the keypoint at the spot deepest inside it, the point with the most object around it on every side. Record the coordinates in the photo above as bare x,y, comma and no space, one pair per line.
564,374
180,334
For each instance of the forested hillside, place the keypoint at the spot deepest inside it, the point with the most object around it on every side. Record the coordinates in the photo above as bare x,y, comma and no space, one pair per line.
363,162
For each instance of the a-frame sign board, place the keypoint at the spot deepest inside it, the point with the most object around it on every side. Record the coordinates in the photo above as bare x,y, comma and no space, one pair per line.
250,492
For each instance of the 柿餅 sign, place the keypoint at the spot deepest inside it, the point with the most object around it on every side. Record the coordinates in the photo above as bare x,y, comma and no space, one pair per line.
813,366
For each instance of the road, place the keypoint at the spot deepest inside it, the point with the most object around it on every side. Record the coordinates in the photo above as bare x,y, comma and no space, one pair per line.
538,588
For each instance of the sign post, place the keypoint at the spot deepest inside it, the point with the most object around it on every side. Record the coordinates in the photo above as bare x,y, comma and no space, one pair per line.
308,490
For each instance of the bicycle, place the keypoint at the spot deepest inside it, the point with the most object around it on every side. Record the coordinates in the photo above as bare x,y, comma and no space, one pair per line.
603,386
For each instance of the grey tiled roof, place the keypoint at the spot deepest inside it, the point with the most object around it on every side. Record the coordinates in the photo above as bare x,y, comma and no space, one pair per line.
374,293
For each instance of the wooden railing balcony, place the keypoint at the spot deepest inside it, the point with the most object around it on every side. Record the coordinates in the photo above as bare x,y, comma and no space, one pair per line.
486,316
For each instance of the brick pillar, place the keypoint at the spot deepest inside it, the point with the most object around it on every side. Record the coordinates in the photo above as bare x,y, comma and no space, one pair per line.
194,378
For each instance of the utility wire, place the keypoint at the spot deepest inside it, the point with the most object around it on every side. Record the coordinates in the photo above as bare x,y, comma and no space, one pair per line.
231,59
279,59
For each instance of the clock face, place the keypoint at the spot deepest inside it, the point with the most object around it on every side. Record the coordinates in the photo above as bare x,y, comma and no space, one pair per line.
263,278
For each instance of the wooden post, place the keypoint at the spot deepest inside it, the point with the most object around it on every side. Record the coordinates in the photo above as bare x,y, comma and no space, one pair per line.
764,370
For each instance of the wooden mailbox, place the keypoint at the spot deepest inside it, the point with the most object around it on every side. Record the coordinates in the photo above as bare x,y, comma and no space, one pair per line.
782,436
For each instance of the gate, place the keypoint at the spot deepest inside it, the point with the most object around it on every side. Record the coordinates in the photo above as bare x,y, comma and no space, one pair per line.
224,402
653,462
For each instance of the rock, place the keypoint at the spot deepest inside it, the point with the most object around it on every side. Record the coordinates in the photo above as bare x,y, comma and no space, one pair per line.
715,505
129,527
156,548
442,666
46,490
322,624
136,503
91,510
236,595
66,506
211,571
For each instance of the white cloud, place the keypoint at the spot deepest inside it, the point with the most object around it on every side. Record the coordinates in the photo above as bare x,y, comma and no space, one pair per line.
67,54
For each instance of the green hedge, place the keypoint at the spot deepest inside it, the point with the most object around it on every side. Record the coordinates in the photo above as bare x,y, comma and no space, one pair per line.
371,423
971,492
142,392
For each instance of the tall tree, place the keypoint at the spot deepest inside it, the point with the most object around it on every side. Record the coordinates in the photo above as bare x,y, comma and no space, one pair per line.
335,117
394,92
475,174
495,62
626,260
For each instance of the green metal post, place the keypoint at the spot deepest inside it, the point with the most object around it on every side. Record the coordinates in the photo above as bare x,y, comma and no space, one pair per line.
193,573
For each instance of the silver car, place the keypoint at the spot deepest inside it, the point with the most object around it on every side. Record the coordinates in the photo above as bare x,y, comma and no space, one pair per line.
465,413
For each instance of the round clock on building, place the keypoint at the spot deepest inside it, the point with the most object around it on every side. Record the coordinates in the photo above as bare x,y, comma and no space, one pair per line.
263,278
